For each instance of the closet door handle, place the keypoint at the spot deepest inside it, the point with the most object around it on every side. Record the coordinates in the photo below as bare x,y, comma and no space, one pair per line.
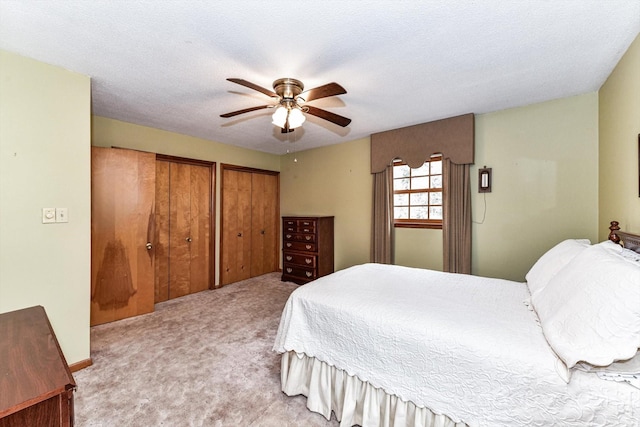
262,231
188,239
149,246
239,234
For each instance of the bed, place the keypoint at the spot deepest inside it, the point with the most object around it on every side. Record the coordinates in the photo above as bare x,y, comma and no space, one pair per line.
382,345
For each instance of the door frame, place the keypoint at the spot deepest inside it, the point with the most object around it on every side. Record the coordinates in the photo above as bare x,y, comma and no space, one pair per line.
212,207
226,166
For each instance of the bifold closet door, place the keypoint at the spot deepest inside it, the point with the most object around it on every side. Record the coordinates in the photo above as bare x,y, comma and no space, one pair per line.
264,219
122,258
250,223
235,263
183,205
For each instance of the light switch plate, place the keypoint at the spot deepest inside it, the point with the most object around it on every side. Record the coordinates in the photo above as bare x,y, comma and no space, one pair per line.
48,215
62,215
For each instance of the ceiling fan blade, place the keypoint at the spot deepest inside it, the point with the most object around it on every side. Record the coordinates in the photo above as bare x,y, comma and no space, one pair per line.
327,115
246,110
330,89
254,87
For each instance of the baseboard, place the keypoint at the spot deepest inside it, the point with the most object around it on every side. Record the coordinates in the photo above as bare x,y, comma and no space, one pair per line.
80,365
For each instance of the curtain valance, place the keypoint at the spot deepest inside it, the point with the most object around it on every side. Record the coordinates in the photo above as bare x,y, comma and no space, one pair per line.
453,137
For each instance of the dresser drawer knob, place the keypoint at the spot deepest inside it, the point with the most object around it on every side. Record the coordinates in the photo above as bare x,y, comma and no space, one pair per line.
308,246
289,257
308,261
289,270
307,237
309,274
288,245
288,236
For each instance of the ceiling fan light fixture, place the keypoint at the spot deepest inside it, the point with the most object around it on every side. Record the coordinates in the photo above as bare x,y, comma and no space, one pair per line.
291,102
296,118
294,115
279,117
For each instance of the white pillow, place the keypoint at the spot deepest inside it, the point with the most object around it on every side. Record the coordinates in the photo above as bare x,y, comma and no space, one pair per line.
553,261
590,310
609,245
624,253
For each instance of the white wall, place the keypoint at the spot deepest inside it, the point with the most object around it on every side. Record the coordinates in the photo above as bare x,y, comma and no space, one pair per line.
45,162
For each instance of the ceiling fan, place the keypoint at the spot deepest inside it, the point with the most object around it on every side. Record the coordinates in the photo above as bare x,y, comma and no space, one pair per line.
290,101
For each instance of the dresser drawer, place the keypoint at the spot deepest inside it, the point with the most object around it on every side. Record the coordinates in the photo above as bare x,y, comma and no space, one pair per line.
299,237
300,246
300,226
290,225
300,259
306,273
307,226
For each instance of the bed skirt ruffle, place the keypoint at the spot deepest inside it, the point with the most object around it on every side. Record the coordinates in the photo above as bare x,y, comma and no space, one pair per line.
353,401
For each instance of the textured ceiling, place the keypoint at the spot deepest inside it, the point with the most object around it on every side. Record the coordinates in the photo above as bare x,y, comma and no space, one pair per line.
164,64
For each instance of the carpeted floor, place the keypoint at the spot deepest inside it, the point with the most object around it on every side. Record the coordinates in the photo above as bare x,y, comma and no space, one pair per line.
200,360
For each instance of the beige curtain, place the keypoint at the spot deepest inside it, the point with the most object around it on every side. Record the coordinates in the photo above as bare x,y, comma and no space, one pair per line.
456,225
382,235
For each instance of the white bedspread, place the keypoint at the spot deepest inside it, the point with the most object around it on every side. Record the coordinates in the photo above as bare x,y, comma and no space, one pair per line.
464,346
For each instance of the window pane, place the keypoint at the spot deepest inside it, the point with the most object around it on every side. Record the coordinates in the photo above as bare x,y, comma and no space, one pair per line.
401,184
401,213
435,198
436,167
422,170
401,171
418,192
420,212
401,199
435,212
420,183
419,199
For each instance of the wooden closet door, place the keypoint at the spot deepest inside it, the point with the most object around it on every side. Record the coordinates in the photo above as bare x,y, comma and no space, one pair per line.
183,215
179,229
122,220
265,221
200,229
236,227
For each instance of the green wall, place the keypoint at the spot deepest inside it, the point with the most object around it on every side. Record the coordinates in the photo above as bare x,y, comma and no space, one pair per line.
333,180
619,119
545,177
45,162
545,183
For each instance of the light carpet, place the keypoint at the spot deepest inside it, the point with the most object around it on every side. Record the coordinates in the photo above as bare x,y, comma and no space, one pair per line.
201,360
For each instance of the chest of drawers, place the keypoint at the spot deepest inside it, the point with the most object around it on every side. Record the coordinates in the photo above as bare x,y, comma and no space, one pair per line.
36,385
307,251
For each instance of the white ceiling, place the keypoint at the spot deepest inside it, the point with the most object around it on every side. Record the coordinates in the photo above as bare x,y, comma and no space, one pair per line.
164,64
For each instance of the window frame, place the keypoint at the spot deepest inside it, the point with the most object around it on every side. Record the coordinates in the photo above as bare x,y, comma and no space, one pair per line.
418,223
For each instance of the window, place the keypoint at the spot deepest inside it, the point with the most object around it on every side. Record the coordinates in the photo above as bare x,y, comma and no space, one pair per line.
417,194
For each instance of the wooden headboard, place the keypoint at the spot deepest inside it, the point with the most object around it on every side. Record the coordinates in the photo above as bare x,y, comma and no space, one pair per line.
627,240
